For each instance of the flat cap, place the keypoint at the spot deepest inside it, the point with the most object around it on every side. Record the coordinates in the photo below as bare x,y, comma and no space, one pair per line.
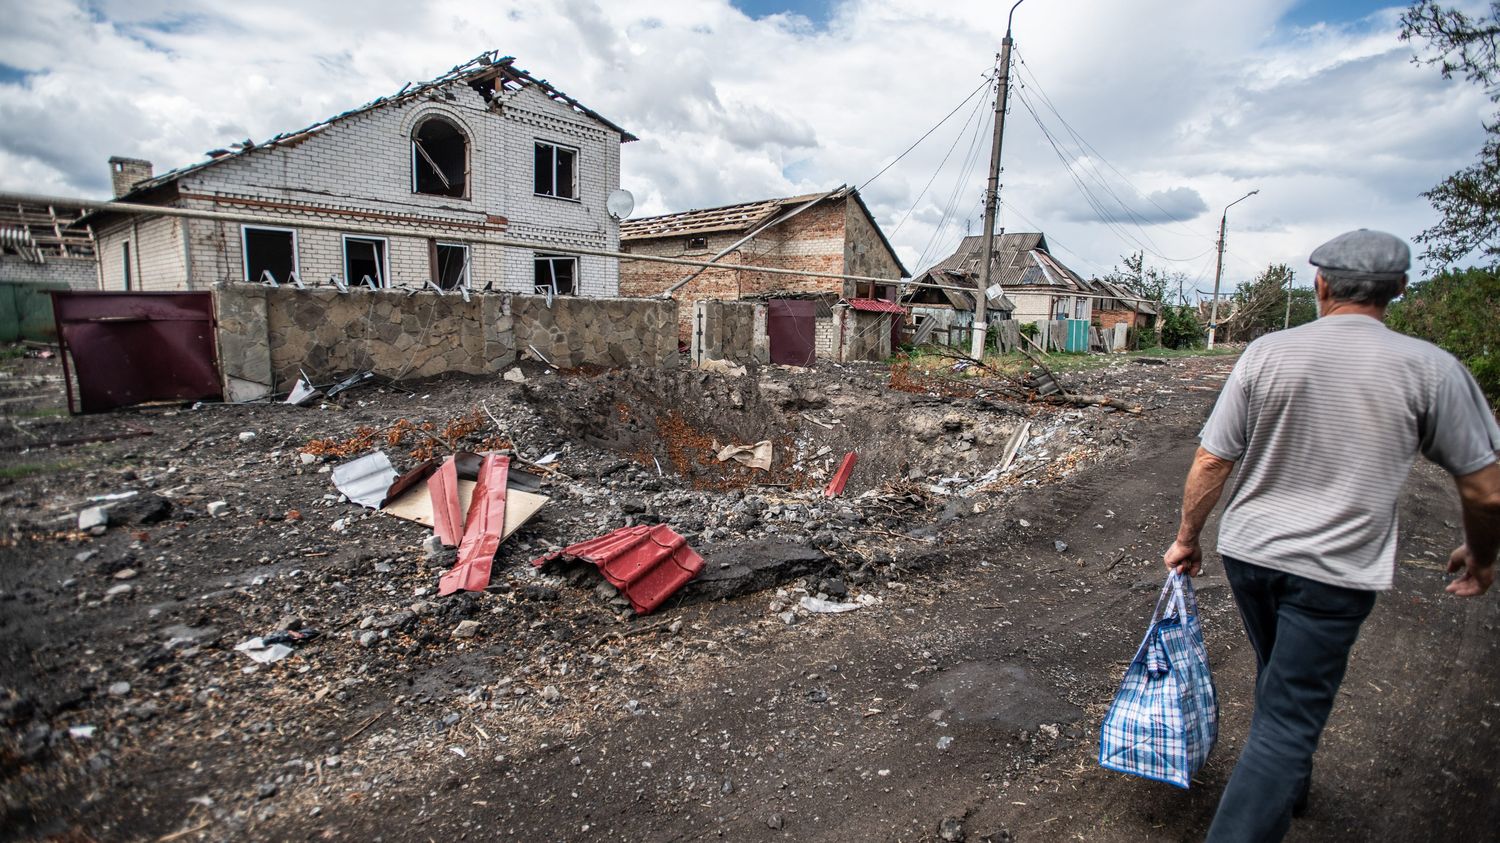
1365,255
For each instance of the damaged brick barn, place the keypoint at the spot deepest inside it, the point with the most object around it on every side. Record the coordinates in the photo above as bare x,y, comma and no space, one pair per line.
844,310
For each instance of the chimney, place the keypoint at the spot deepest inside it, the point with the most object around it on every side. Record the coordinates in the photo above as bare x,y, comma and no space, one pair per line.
126,173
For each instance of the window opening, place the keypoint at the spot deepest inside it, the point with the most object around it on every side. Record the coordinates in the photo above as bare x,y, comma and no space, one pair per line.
364,257
439,158
697,243
125,258
450,266
557,274
556,171
269,250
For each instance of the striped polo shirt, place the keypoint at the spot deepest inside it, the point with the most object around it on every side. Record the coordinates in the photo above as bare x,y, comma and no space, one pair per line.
1325,421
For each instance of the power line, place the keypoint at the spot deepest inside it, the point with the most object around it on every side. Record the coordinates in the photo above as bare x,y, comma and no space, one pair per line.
982,86
956,138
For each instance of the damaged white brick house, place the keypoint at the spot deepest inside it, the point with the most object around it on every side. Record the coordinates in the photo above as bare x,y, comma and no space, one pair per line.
486,150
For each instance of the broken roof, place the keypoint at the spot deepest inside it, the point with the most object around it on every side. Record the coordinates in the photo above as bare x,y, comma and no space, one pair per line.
743,217
958,299
1020,260
37,231
486,73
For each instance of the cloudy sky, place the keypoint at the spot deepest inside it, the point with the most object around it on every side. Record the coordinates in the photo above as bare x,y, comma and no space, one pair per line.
1131,124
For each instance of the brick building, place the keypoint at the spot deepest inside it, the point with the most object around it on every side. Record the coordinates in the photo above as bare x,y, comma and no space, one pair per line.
830,232
405,190
38,246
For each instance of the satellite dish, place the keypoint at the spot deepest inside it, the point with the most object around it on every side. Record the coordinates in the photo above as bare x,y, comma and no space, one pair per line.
620,204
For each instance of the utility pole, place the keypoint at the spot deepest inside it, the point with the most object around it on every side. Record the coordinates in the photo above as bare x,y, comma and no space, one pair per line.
1213,314
992,194
1287,322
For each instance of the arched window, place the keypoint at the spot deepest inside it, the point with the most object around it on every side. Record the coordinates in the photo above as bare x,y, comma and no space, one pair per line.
439,158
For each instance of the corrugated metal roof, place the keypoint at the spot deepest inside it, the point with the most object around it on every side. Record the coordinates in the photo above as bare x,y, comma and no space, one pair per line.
1020,260
647,564
876,306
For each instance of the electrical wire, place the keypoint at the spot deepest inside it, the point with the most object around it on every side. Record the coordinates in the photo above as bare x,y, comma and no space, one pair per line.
956,138
982,86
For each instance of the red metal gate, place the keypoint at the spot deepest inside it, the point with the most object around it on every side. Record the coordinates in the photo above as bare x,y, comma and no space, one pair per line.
129,348
792,327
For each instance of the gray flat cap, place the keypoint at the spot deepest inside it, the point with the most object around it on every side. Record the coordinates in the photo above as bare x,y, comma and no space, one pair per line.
1364,254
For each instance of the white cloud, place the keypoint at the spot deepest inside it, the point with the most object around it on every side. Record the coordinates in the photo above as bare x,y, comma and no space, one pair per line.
1184,106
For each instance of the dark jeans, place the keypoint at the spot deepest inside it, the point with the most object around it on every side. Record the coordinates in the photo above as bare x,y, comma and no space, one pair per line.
1302,631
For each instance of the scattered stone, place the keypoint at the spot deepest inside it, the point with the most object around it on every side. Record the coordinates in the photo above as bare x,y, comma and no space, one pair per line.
951,829
269,789
788,618
514,375
551,694
945,742
117,590
466,629
306,458
218,508
119,689
247,435
1061,546
368,638
126,574
775,822
432,546
92,517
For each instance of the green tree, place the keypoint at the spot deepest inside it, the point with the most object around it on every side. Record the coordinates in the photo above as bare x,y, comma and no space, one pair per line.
1180,327
1467,202
1456,309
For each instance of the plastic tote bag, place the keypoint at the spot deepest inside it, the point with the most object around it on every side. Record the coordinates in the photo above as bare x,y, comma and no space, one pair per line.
1165,717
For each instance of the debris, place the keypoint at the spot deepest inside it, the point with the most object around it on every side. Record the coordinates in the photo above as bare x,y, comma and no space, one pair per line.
840,477
483,530
951,829
366,479
722,367
447,517
515,375
94,516
647,564
466,629
944,742
1060,546
247,435
829,607
81,733
1017,440
302,393
272,648
355,380
119,689
754,456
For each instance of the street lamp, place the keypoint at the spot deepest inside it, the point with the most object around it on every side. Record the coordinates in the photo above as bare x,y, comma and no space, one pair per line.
1213,315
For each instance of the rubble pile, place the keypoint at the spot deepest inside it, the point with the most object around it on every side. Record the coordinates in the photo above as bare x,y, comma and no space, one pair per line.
206,592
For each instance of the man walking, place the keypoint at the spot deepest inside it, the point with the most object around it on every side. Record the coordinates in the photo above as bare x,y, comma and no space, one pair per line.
1325,421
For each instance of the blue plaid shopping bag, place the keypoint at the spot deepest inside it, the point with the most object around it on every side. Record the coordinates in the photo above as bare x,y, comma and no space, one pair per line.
1165,717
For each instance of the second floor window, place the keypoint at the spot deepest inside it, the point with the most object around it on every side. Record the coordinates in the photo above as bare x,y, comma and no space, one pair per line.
439,159
556,171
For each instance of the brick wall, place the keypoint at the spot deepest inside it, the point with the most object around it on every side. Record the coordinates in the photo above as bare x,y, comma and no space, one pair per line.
77,273
1111,318
357,171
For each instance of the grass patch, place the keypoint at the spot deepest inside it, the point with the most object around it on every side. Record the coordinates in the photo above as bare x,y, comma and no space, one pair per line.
31,469
934,362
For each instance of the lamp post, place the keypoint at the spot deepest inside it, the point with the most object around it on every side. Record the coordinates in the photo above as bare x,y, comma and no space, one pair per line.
1213,315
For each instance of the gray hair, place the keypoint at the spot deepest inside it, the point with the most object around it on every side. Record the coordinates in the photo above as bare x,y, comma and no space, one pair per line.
1362,287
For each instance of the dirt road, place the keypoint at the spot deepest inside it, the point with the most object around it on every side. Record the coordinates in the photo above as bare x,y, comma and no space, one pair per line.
964,703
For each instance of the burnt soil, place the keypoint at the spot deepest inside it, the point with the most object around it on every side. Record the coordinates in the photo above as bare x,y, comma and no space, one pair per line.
962,697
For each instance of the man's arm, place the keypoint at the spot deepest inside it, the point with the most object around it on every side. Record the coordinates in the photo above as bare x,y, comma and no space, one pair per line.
1205,482
1475,558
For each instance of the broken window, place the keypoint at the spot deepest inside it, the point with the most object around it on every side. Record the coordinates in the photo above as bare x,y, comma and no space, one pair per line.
269,250
439,158
556,171
697,244
125,259
450,265
364,257
556,273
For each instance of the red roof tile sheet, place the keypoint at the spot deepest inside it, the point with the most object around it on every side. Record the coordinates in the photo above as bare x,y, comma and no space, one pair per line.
841,477
876,306
484,527
647,564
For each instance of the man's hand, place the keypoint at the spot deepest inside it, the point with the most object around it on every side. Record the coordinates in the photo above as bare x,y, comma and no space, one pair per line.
1187,558
1475,579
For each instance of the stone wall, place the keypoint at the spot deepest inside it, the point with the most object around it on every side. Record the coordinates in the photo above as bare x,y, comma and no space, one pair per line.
733,331
266,335
600,332
867,336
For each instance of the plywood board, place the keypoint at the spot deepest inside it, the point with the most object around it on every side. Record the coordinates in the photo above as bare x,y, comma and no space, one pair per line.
416,505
